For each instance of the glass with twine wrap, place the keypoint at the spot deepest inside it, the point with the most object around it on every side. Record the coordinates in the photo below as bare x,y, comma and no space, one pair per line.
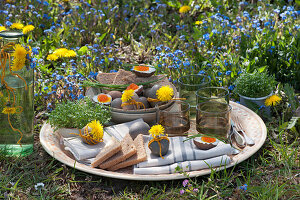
16,96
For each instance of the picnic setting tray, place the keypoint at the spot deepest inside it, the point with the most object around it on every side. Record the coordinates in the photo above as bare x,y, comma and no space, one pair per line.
252,123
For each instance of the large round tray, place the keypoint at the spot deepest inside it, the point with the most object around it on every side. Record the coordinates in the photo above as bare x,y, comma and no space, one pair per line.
252,123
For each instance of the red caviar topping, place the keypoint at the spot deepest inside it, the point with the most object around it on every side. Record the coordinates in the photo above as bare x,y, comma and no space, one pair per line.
141,68
132,86
208,139
103,98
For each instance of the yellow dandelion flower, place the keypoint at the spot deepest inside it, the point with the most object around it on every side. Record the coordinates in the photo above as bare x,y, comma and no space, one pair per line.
199,22
97,130
272,100
2,28
70,53
9,110
28,28
184,9
17,26
156,130
52,57
61,52
165,93
127,95
19,57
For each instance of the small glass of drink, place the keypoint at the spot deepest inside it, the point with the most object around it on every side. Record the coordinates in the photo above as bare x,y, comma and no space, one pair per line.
175,119
213,119
188,85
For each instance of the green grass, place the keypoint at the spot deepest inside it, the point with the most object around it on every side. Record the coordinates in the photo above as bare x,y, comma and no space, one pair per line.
271,173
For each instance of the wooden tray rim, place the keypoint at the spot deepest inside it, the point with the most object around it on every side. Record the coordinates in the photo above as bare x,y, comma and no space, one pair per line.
57,153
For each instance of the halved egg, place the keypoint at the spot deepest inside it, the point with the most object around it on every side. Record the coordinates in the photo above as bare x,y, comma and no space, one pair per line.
205,143
137,89
103,98
143,71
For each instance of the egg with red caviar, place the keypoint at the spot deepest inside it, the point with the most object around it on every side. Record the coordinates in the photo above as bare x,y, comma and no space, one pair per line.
205,143
103,98
137,89
143,71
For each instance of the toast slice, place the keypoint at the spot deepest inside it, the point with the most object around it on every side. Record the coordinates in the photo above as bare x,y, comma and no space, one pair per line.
140,156
113,147
128,150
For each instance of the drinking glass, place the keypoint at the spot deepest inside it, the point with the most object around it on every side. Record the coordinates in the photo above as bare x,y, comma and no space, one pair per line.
175,119
218,94
213,119
188,85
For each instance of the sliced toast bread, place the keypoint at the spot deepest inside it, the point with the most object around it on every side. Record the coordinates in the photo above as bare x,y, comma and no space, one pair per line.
140,156
113,147
128,150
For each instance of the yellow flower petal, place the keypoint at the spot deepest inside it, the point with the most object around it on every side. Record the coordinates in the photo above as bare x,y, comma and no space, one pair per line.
199,22
157,130
61,52
17,26
127,95
28,28
19,57
97,130
70,53
2,28
52,57
165,93
184,9
9,110
272,100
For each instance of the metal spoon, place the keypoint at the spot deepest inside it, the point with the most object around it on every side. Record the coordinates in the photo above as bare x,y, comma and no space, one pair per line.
238,138
239,128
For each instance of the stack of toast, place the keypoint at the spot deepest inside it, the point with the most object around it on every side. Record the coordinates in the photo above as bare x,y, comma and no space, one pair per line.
122,154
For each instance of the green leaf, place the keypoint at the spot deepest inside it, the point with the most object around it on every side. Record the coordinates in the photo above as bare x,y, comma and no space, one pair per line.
82,50
261,69
292,122
102,37
59,33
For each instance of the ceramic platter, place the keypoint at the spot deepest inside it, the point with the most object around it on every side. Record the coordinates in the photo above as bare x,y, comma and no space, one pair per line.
252,123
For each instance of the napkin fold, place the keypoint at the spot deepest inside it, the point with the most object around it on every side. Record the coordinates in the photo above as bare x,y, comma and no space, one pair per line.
180,151
185,166
85,153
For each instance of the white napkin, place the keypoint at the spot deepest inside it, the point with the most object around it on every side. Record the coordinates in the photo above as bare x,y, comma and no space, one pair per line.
81,151
85,153
185,166
120,130
180,151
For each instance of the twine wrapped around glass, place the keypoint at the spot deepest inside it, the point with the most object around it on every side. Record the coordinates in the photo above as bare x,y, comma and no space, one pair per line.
16,96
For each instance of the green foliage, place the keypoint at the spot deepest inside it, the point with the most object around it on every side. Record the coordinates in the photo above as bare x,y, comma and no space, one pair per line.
291,96
255,84
77,114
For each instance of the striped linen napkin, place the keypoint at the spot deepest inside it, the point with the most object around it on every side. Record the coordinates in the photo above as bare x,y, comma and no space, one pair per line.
180,151
85,153
185,166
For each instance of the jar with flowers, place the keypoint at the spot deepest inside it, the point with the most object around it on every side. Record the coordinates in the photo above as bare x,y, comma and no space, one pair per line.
16,95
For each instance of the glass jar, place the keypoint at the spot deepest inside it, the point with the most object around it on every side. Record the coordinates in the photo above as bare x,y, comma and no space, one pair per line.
16,96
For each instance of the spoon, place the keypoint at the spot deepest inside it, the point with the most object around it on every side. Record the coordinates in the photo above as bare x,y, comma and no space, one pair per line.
237,137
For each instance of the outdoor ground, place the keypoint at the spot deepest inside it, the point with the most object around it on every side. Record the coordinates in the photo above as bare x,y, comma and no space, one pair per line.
271,173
